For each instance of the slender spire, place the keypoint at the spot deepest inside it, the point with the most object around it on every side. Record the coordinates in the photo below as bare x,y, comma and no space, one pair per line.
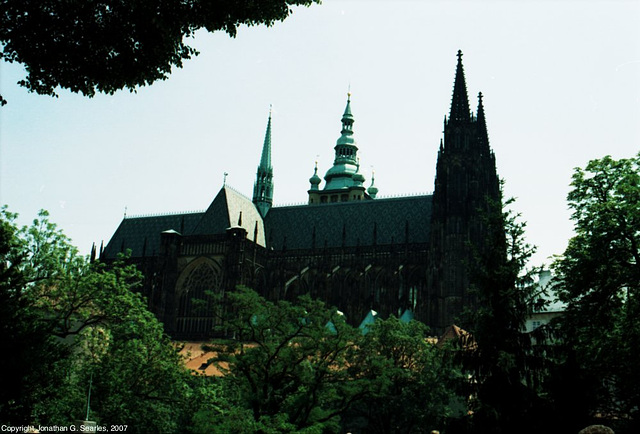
460,100
263,187
482,124
265,161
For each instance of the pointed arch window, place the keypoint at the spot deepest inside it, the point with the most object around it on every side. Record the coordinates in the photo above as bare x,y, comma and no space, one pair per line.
199,308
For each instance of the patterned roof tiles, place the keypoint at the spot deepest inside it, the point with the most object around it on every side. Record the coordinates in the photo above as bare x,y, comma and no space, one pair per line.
301,227
134,232
293,227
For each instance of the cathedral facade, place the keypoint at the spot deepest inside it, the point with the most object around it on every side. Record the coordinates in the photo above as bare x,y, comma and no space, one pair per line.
405,256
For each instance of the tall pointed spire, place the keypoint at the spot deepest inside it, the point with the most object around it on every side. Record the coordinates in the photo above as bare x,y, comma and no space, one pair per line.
265,160
460,100
483,135
263,187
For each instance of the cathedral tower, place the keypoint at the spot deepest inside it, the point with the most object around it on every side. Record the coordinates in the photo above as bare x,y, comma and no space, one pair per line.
263,187
344,182
466,193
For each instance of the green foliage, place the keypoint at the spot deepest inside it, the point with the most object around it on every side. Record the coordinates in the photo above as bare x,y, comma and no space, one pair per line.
599,280
298,367
90,46
71,325
31,371
286,368
407,382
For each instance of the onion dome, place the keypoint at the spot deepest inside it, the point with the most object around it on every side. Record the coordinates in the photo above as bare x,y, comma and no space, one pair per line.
315,180
372,190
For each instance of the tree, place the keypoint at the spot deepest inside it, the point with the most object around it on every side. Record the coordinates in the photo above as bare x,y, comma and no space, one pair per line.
286,367
505,368
599,280
408,381
71,325
31,368
90,46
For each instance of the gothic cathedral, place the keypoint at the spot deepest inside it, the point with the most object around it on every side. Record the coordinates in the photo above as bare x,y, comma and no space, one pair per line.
410,256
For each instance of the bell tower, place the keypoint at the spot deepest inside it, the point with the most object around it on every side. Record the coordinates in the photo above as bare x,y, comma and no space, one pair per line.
467,191
343,182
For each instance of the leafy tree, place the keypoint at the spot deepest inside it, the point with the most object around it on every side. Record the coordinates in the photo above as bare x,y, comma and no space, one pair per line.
90,46
407,379
71,324
599,280
30,371
287,366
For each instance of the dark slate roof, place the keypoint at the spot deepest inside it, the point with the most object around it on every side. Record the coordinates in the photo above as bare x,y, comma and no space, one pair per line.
224,212
293,226
133,232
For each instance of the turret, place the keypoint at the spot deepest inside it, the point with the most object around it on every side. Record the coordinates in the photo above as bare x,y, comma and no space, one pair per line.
263,187
344,181
315,179
372,190
345,163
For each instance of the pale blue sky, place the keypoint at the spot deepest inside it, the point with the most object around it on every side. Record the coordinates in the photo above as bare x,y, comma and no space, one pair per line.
560,83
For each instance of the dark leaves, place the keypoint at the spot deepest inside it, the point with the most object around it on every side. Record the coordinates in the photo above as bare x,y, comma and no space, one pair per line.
90,46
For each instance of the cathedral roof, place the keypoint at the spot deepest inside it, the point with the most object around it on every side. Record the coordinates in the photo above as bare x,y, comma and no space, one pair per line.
295,227
230,208
142,234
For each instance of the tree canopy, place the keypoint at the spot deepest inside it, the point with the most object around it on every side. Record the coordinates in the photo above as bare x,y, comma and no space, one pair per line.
89,46
70,325
287,364
599,280
299,367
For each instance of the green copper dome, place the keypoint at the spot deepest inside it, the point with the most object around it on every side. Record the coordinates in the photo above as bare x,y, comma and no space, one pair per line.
315,179
372,190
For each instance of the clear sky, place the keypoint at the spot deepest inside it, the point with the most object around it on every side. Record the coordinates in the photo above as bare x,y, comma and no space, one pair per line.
560,79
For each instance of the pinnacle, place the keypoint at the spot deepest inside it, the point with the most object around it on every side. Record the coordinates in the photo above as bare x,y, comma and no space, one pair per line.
459,100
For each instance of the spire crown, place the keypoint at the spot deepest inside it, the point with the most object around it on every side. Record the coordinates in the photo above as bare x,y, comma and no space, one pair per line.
482,124
346,137
459,100
480,107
